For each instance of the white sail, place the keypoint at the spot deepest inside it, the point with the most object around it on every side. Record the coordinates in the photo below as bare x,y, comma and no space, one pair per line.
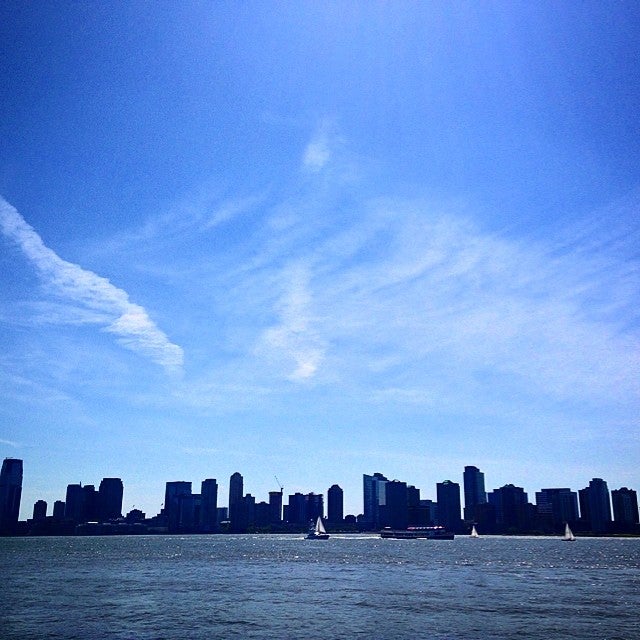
568,534
474,533
319,526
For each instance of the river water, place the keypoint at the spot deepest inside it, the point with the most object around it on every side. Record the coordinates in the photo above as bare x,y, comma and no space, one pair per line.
281,587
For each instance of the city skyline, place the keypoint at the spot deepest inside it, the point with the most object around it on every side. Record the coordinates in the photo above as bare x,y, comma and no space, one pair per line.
311,240
390,503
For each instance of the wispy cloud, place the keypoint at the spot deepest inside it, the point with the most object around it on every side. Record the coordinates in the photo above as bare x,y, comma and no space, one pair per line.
128,321
416,304
294,338
317,153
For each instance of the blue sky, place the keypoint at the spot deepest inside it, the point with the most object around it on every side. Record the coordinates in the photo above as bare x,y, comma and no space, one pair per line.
318,240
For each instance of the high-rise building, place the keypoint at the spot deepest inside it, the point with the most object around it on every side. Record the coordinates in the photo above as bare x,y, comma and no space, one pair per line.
74,503
110,498
209,505
449,512
275,507
396,512
39,510
10,493
262,514
189,513
512,509
474,491
236,492
599,505
335,504
90,506
557,507
58,510
297,509
625,506
374,497
314,506
173,495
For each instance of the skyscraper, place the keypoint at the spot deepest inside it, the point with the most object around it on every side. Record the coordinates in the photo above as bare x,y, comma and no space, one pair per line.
474,492
40,510
236,490
335,504
275,507
599,505
110,498
173,494
396,513
625,506
448,496
10,493
557,507
209,505
374,497
74,503
513,512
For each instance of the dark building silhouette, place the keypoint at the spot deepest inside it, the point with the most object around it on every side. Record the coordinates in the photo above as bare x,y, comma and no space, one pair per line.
396,512
275,507
174,493
314,506
223,515
297,509
449,512
236,492
110,499
304,508
74,503
625,508
189,513
374,497
585,509
209,505
135,515
335,504
486,518
58,510
474,491
262,515
556,507
513,512
89,504
597,505
248,512
10,494
39,510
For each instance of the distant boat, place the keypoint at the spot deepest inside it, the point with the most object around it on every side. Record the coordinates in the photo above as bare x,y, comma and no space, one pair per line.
413,533
568,534
318,532
474,533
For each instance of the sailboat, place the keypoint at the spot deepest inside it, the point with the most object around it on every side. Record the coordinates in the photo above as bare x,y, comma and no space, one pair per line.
474,533
568,534
318,532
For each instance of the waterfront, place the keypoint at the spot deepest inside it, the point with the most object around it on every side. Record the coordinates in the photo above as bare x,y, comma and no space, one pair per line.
201,587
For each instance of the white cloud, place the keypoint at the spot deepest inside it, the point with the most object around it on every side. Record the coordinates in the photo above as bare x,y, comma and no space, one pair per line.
294,340
125,319
317,153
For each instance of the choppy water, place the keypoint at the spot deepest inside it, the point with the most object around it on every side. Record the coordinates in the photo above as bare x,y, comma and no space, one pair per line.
208,587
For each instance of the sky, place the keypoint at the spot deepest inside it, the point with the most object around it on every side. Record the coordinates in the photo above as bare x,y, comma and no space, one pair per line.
316,240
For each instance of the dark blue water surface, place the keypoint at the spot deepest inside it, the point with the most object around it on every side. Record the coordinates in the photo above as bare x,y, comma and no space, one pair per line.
270,586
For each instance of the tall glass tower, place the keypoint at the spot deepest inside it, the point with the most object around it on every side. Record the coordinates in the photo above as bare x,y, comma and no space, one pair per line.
10,493
474,492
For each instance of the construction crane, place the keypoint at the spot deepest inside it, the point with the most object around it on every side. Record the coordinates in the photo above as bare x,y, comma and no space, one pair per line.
278,481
